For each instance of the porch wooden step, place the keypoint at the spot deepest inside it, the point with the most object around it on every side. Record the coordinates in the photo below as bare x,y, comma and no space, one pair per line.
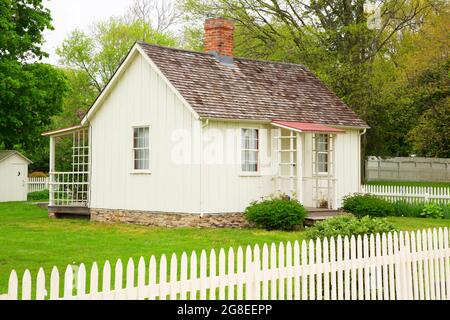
69,211
319,214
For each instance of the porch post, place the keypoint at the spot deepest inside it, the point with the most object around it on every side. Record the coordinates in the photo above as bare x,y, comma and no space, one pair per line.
300,197
51,169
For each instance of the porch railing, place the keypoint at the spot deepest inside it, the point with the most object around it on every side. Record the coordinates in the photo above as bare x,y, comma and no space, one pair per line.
69,189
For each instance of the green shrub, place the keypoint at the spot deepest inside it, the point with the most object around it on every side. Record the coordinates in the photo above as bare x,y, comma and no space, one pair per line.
276,213
38,174
348,226
368,205
432,210
38,196
406,209
446,211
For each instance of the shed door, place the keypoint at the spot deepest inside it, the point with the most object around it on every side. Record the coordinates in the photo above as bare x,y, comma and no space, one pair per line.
18,180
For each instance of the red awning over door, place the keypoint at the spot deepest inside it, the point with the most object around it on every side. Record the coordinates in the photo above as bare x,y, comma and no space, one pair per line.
306,127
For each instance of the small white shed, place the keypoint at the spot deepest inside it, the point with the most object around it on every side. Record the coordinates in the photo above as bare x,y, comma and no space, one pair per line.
13,176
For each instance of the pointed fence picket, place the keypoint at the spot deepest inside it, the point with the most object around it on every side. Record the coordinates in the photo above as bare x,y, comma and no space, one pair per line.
409,193
35,184
393,266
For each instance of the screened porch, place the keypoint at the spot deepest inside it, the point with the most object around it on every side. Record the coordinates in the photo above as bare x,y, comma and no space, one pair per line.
306,162
69,171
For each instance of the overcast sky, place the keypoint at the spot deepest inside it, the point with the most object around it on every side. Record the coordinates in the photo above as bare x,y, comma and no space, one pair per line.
70,14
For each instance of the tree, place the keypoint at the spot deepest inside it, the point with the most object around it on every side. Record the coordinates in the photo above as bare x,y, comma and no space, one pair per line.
416,89
99,52
78,100
160,15
359,61
21,24
31,93
431,137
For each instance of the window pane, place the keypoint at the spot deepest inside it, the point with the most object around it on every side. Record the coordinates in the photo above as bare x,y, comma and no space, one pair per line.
322,162
322,157
253,157
136,164
145,137
322,167
322,142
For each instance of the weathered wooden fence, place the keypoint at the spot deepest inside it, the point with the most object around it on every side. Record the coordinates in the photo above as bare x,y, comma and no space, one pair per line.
409,193
408,169
394,266
37,184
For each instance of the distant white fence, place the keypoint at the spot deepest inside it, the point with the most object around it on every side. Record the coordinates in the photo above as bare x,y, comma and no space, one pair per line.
394,266
37,184
409,193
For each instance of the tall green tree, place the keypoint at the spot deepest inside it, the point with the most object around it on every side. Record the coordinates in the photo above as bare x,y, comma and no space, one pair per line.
80,96
358,60
31,93
99,52
426,75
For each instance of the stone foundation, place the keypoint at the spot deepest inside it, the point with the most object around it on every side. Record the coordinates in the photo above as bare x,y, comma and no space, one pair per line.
171,220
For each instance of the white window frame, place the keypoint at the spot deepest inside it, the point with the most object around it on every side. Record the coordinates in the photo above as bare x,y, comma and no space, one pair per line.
258,151
133,169
326,152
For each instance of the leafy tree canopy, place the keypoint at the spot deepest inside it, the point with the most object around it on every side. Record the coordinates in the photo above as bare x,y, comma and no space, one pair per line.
99,52
391,71
21,25
30,92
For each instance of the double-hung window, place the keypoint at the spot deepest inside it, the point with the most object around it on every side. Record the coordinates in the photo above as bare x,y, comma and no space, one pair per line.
250,150
141,148
322,153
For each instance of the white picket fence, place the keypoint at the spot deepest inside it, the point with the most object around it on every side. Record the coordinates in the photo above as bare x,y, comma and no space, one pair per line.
409,193
394,266
37,184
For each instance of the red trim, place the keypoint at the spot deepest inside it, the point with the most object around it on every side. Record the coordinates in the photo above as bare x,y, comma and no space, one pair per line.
307,127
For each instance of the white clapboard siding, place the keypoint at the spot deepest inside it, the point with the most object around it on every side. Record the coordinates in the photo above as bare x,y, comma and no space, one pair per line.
395,266
409,193
35,184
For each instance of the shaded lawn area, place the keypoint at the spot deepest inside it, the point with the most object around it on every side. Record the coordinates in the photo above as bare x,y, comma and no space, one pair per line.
29,239
410,184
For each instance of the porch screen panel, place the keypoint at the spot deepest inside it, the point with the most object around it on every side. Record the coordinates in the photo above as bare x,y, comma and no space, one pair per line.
250,150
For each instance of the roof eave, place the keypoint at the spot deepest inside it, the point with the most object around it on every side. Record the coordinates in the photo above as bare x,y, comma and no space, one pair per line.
63,131
14,152
266,121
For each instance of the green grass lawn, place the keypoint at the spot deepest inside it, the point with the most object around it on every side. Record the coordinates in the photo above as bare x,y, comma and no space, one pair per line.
29,239
410,183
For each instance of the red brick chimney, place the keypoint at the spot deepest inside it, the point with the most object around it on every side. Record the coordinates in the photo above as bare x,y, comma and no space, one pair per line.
219,36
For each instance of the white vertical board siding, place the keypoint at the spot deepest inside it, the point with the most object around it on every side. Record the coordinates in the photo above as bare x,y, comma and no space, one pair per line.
141,97
308,182
224,188
347,166
12,186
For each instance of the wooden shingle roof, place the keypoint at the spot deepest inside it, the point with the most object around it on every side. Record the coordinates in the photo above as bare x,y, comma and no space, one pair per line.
250,89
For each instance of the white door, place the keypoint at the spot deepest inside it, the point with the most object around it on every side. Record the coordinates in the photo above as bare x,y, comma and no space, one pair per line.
18,180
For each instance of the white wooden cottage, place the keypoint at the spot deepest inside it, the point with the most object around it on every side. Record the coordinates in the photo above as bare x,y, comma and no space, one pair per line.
177,135
13,176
